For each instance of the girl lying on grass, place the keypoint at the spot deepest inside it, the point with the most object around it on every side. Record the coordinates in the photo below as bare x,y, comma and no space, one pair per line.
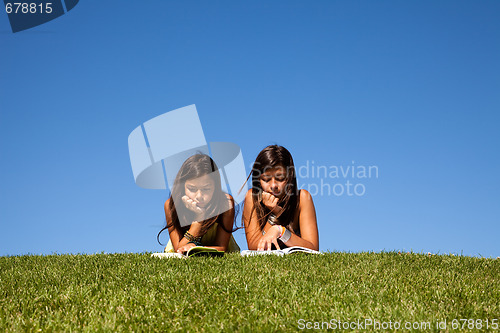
198,212
276,214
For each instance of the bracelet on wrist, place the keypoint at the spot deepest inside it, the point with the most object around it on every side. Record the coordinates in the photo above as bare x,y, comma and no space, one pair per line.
285,236
272,219
192,238
282,231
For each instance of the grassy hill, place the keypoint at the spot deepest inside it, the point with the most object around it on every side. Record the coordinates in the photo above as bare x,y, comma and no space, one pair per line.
134,292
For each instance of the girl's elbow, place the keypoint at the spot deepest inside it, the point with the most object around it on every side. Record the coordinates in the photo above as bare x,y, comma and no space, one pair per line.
314,246
252,246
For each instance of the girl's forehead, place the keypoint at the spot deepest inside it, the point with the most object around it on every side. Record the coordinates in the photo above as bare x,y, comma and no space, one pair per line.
279,170
205,180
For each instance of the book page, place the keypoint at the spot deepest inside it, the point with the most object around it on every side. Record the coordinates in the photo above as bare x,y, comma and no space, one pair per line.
247,253
204,251
297,249
168,255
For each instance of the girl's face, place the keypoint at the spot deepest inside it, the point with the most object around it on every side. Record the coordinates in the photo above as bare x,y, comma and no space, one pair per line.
274,181
200,190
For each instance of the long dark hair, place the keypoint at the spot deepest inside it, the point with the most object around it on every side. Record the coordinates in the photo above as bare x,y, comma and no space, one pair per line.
271,157
196,166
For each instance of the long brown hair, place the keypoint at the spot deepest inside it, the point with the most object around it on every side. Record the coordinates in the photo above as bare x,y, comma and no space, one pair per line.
196,166
271,157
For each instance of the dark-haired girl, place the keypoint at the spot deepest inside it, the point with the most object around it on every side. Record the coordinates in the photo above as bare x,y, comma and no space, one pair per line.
276,214
198,212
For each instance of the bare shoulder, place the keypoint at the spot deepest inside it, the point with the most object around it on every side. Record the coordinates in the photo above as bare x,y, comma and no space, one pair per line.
167,204
307,211
248,205
168,212
305,196
230,200
227,209
249,199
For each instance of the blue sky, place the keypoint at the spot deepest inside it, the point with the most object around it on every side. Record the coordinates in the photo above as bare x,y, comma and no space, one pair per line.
409,87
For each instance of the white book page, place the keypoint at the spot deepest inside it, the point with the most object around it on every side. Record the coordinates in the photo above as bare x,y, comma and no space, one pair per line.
247,253
288,250
168,255
295,249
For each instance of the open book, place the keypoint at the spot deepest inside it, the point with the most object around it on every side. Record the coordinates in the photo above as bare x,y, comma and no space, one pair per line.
288,250
196,251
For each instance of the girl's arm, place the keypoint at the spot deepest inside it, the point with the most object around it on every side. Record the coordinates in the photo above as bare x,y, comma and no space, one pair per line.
176,237
307,223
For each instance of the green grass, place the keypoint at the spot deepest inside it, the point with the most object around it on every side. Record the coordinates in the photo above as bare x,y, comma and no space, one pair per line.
133,292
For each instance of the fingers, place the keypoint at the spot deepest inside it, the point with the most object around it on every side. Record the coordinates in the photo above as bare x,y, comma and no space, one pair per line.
191,204
271,196
262,245
266,196
185,248
266,244
269,200
189,201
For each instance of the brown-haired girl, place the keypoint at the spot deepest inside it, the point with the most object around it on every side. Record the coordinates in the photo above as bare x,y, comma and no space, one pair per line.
198,212
276,213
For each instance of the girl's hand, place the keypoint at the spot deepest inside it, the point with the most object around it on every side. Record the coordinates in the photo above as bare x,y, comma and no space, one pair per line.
192,205
270,238
271,202
185,248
